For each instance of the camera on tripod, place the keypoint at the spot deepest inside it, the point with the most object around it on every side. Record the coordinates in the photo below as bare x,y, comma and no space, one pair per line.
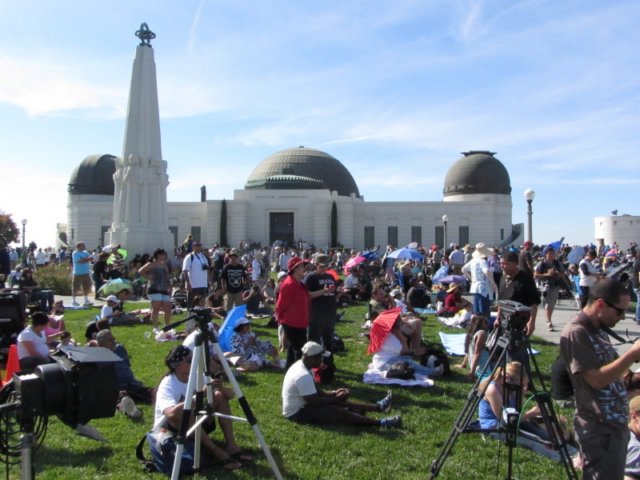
202,314
513,315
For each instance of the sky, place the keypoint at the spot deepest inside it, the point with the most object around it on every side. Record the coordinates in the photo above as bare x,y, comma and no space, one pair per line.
394,89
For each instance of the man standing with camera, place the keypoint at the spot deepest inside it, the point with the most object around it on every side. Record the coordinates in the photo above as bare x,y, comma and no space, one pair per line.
518,286
601,417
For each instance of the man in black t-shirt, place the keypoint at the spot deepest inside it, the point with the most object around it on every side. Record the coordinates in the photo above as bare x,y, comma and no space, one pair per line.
232,277
322,314
550,273
519,286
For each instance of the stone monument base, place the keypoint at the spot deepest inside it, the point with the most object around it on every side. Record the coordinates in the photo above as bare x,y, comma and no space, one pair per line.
142,240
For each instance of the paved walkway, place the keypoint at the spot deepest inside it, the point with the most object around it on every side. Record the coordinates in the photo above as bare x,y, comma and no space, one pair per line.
567,310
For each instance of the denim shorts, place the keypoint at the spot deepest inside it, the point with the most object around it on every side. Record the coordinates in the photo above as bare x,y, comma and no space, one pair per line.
159,297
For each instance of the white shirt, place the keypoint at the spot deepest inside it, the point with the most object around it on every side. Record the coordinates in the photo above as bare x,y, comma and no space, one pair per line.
193,263
298,383
256,269
39,342
391,347
171,391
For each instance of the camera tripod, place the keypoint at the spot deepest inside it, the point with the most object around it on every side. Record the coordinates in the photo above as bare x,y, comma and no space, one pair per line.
512,344
198,372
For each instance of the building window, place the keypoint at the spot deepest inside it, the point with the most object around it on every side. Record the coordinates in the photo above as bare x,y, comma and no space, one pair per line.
196,232
392,236
440,236
463,236
502,234
103,233
174,231
416,234
369,237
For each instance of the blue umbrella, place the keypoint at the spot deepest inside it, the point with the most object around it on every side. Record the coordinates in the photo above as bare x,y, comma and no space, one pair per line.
406,254
226,330
369,254
576,255
459,279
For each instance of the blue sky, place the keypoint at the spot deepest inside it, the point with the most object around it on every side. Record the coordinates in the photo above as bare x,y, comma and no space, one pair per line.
394,89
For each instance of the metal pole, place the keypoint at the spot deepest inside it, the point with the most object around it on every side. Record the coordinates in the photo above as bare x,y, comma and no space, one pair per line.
530,221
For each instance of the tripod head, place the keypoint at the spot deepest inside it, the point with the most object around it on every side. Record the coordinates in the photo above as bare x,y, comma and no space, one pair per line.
513,318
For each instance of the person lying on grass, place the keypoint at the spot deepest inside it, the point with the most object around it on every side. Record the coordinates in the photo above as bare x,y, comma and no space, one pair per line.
303,402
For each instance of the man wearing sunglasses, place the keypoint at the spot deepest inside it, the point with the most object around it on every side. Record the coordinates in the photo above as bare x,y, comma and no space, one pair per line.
596,371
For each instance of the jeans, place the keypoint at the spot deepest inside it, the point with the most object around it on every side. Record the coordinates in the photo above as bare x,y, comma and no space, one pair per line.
417,367
637,292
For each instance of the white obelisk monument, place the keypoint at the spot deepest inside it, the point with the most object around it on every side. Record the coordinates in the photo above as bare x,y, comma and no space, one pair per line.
140,223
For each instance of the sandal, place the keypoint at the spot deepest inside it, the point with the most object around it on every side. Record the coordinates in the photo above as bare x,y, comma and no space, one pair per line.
550,327
230,463
241,455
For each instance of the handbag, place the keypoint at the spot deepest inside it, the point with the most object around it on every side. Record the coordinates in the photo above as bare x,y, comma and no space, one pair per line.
401,370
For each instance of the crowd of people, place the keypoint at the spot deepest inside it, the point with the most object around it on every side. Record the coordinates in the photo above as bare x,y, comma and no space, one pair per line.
304,299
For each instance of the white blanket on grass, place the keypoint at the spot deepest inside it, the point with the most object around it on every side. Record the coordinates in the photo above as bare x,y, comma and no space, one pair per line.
380,377
454,343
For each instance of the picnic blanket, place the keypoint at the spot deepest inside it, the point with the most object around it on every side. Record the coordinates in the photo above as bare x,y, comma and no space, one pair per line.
454,343
380,377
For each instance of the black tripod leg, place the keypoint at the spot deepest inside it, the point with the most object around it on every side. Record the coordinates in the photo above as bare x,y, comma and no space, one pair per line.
469,409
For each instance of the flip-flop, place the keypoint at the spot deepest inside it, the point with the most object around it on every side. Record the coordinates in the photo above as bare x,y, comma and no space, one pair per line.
241,455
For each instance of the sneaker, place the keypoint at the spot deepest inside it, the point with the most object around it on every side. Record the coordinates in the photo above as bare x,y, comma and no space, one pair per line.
128,407
384,405
88,304
75,304
391,422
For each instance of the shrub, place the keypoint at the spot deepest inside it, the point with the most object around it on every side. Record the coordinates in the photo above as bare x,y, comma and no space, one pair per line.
54,277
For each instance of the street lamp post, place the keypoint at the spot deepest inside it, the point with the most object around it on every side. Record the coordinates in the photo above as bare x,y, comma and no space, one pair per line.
445,219
24,227
529,195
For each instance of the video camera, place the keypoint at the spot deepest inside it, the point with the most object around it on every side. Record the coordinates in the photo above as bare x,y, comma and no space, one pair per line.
513,315
201,314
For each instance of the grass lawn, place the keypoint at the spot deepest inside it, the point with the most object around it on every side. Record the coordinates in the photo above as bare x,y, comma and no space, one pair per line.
303,452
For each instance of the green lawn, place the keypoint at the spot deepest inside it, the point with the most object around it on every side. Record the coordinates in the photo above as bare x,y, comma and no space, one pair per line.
303,452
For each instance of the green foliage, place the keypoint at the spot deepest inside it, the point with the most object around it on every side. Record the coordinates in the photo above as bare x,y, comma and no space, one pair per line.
9,231
302,452
334,225
54,277
223,223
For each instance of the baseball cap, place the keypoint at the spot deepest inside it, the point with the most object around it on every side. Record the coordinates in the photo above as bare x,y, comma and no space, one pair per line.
311,349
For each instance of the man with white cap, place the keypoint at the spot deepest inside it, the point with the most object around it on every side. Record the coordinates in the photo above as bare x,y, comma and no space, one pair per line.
303,402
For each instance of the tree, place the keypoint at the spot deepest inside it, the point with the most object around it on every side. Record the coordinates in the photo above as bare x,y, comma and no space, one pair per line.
9,231
223,223
334,225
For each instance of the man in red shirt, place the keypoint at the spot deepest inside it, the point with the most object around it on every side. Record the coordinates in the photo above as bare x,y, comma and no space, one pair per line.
292,308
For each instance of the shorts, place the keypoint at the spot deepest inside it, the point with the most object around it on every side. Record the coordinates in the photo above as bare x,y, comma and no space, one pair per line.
158,297
319,415
81,282
550,297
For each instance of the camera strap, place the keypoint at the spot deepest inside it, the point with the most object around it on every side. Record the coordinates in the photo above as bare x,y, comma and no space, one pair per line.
613,334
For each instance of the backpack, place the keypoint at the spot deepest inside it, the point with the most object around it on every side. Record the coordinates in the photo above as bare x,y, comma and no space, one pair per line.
438,351
162,446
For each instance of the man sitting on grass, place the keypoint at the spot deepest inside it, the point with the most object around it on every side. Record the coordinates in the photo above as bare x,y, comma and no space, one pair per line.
302,402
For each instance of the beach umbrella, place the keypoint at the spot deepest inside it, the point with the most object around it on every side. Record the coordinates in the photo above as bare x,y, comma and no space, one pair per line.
441,273
115,286
611,253
369,254
334,274
226,330
406,254
352,263
575,255
381,327
459,279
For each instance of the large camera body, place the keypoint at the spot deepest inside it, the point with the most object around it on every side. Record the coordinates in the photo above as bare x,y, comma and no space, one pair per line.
513,315
80,385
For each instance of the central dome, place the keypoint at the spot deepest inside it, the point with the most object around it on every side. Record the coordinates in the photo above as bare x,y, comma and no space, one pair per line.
302,168
477,172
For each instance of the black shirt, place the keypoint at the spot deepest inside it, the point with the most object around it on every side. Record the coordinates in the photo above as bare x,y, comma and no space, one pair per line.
521,288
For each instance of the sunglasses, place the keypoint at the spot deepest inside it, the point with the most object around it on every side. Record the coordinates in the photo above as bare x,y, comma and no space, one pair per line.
619,311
